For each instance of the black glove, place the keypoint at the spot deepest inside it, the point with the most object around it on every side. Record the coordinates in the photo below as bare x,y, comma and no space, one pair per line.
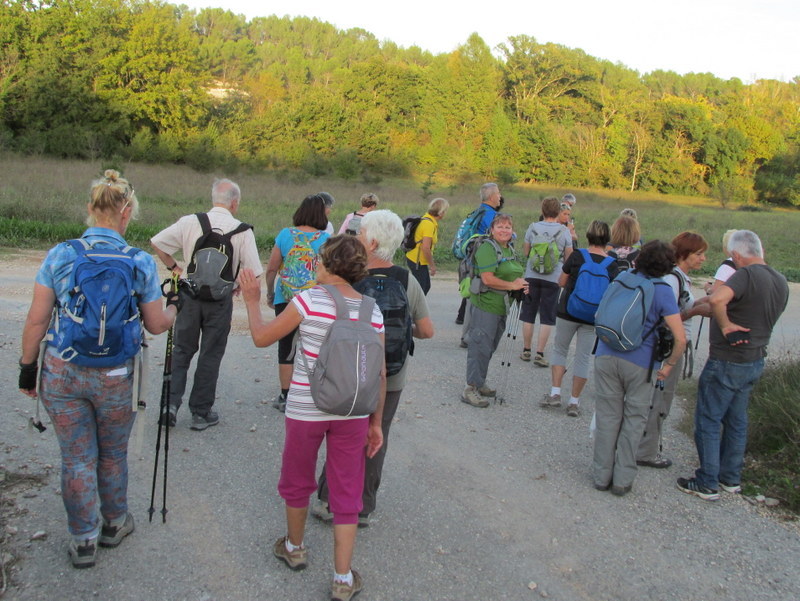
175,299
27,375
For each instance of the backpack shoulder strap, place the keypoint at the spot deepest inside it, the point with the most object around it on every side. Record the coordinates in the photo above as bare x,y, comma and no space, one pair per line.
587,257
205,223
338,300
606,262
365,310
242,227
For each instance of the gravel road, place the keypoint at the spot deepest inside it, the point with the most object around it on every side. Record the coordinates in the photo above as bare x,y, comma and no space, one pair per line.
492,503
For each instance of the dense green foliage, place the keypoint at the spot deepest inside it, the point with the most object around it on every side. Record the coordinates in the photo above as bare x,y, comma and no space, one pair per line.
151,81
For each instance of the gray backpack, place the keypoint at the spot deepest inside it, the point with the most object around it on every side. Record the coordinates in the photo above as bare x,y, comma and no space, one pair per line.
346,377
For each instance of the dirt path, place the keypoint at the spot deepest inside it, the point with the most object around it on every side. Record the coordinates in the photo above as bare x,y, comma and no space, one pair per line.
476,504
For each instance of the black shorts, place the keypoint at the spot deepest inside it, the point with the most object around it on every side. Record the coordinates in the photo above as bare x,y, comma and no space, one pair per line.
287,344
541,299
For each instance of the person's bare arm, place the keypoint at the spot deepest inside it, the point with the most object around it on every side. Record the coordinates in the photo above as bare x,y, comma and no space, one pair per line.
265,334
156,317
273,266
168,260
423,328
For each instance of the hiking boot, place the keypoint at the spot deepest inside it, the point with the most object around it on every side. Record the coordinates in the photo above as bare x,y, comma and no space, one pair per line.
83,556
573,410
111,536
201,422
540,361
168,417
659,462
734,489
345,592
322,512
550,400
693,487
279,402
471,396
486,391
620,491
296,560
525,355
363,520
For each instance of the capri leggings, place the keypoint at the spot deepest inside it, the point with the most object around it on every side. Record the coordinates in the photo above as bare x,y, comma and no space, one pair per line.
565,332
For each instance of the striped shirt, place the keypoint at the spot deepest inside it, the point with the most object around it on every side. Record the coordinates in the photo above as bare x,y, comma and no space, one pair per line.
318,311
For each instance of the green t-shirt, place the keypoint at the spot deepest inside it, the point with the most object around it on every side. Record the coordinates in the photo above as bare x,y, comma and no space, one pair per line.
508,270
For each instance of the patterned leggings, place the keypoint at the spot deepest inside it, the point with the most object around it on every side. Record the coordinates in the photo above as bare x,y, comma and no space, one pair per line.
90,408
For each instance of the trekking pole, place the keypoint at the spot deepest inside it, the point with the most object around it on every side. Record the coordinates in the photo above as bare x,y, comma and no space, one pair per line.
512,329
163,422
699,331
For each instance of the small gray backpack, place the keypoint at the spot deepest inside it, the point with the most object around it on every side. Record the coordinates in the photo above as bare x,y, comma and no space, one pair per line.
346,377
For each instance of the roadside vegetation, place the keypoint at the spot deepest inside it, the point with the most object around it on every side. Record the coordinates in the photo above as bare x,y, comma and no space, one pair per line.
43,201
772,459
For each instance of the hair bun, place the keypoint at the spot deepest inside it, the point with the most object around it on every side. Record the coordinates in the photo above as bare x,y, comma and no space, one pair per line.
111,174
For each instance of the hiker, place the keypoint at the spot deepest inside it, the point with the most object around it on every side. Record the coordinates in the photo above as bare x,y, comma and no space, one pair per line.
565,219
290,270
726,269
625,236
328,200
350,225
343,261
744,312
690,254
500,272
89,398
381,233
570,326
477,222
420,258
623,384
547,245
205,321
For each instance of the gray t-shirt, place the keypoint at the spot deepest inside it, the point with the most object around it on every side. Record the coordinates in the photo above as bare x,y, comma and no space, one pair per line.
563,239
419,309
760,295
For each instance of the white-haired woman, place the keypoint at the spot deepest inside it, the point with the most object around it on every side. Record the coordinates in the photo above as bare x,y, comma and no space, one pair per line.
381,233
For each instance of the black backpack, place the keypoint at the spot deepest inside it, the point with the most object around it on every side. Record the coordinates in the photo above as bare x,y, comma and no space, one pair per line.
210,272
410,225
388,287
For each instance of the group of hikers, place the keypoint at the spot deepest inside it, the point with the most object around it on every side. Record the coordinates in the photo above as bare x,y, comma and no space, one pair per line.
345,322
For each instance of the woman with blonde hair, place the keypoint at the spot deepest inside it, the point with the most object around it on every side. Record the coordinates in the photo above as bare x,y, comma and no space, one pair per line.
625,241
88,392
420,258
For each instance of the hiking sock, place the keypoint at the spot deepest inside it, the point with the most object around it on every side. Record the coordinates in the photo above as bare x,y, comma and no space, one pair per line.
573,400
285,392
539,354
119,522
525,349
555,390
290,547
344,578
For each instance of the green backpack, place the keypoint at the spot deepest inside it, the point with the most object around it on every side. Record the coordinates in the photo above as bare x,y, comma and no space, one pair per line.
544,254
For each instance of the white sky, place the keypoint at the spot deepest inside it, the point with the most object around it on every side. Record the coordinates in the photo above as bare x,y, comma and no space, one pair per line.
749,39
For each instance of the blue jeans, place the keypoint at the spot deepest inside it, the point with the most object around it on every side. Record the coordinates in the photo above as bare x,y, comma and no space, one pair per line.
720,419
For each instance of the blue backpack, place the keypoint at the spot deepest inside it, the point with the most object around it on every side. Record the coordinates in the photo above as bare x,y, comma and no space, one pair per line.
467,229
590,285
620,318
99,325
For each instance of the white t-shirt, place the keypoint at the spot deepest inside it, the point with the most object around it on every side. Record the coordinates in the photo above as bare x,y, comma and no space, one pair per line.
688,300
318,312
724,271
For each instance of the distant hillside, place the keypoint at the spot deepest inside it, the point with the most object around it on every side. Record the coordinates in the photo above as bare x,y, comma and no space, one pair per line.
152,82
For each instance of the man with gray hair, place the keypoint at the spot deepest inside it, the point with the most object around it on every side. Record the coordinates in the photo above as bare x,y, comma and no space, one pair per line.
217,236
744,311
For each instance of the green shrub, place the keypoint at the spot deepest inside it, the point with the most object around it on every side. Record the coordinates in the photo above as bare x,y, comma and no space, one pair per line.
774,433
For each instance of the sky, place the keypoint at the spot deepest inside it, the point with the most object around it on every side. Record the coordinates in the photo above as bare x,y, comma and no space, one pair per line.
748,39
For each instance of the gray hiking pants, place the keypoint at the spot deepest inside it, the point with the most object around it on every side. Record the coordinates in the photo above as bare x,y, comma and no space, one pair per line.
482,337
660,404
205,325
622,402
